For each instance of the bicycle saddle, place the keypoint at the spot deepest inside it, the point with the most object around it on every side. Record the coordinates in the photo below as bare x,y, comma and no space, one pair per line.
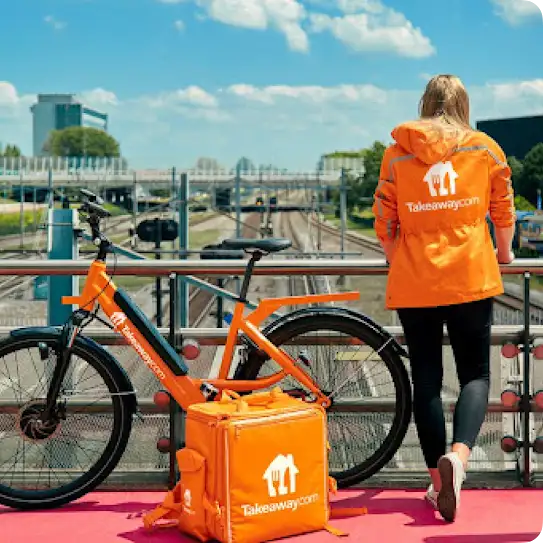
269,245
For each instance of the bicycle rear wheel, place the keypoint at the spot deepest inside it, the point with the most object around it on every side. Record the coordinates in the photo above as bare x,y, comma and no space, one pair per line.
362,442
48,465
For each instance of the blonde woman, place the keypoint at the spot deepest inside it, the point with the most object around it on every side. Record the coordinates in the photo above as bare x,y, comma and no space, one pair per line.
438,182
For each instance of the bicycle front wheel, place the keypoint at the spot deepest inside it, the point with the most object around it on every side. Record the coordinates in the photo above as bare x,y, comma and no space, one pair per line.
348,363
45,465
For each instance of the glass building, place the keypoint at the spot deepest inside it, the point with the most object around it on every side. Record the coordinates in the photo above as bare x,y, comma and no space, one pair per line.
58,111
516,135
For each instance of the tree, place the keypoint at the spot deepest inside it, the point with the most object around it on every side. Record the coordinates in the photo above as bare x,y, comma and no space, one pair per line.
81,141
11,151
373,157
207,164
521,204
359,186
531,178
516,170
244,164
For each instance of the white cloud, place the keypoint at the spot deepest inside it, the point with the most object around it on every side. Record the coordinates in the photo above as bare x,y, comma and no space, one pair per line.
99,98
364,25
179,25
521,89
311,93
353,6
55,23
516,12
289,126
284,15
376,28
8,94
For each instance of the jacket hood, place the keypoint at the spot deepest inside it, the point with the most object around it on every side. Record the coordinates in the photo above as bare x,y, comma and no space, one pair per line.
422,139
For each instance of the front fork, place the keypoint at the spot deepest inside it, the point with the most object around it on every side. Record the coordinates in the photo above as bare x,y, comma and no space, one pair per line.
63,349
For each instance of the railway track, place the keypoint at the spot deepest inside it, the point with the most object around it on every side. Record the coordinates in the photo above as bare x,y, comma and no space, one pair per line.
298,284
14,285
508,302
200,301
349,236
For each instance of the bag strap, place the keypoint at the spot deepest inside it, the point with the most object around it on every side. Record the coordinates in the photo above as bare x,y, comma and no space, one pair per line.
171,508
341,512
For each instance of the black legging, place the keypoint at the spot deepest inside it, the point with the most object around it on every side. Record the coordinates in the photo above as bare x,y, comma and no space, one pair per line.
468,325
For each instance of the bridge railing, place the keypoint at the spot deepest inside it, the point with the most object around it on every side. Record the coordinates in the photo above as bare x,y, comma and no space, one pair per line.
514,362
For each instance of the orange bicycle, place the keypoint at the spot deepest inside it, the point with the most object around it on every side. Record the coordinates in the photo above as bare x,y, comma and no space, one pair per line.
82,391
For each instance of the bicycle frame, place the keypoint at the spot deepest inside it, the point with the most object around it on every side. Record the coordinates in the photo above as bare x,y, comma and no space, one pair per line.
168,367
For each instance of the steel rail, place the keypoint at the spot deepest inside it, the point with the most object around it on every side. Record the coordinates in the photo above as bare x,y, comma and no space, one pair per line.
231,267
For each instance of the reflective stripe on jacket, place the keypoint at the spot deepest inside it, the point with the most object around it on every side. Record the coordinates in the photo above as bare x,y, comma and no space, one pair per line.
433,197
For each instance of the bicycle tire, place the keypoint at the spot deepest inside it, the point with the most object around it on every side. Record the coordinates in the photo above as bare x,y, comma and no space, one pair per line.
250,369
122,409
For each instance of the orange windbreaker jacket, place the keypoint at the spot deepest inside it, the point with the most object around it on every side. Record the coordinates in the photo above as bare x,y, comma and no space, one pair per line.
432,198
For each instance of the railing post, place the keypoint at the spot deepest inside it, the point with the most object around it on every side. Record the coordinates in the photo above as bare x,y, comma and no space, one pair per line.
183,231
342,210
63,245
22,214
238,201
158,282
526,395
176,416
180,307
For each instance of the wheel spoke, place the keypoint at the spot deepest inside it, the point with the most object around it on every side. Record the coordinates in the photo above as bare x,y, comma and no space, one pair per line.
55,461
366,380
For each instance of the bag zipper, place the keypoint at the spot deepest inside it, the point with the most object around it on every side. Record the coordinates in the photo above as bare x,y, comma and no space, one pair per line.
257,420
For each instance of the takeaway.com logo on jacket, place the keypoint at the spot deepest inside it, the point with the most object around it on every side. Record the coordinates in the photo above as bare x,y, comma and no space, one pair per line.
441,180
280,480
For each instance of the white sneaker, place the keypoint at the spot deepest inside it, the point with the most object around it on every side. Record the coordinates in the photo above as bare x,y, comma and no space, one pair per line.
451,471
431,496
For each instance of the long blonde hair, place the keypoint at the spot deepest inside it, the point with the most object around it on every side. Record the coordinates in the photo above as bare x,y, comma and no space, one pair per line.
445,106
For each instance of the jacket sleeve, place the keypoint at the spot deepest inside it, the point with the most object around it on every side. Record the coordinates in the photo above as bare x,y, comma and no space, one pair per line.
502,204
385,207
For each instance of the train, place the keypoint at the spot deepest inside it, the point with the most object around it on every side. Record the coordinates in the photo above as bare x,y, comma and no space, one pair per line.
271,202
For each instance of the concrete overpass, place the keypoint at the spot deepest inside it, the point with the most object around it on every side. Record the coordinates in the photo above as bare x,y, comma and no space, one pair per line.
40,172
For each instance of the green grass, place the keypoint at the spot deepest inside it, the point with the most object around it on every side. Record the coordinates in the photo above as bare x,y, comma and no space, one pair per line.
198,239
351,225
10,223
197,218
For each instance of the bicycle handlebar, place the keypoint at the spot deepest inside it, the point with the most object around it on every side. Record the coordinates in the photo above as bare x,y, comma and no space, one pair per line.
95,213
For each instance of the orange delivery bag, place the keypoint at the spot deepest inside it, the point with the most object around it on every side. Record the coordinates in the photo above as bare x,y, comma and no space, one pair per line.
254,469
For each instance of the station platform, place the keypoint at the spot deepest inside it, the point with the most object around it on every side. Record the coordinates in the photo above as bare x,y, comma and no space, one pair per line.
486,516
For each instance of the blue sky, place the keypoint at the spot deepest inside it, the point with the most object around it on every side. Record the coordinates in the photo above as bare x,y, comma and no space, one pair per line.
279,81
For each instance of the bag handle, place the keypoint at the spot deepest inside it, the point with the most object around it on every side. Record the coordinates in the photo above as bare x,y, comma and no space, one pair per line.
257,399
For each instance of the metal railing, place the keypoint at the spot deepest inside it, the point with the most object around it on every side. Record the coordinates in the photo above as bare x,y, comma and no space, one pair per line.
519,335
156,268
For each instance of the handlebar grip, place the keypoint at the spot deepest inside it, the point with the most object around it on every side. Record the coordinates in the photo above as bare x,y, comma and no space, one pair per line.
95,209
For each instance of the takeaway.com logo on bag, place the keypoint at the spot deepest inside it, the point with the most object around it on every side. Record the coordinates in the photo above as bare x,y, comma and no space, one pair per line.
441,180
280,480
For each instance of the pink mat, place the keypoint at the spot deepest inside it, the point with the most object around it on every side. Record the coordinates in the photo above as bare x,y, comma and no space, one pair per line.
394,516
